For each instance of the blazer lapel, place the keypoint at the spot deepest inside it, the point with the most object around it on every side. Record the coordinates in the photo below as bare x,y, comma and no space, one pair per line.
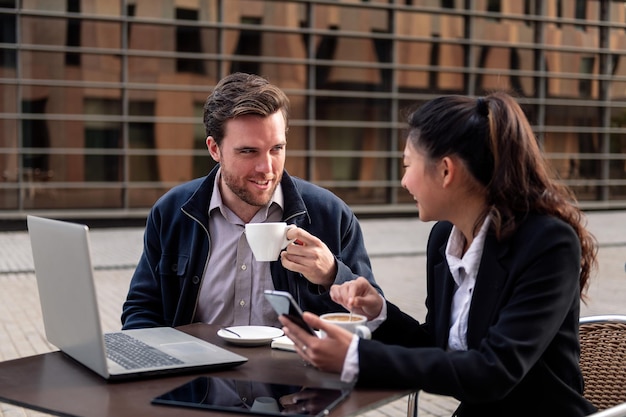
443,290
490,281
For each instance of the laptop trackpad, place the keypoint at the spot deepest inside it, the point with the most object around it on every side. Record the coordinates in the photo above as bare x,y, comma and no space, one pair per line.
188,350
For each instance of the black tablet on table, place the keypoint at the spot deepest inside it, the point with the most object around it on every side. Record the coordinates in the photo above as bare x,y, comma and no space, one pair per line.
253,397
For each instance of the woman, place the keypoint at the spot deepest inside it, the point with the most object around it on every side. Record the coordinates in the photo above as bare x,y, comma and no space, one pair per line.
507,265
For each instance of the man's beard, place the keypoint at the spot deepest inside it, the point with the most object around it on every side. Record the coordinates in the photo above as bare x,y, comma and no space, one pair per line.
245,195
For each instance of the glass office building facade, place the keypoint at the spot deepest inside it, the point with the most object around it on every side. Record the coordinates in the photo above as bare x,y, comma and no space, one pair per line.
101,100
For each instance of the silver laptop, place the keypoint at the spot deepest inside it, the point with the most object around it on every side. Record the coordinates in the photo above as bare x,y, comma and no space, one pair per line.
72,321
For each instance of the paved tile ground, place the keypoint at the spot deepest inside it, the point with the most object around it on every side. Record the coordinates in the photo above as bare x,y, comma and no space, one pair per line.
396,247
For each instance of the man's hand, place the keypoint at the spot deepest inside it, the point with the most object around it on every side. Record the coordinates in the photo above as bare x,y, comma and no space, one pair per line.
309,256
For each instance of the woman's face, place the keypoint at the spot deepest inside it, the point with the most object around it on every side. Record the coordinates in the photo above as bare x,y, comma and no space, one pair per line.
420,180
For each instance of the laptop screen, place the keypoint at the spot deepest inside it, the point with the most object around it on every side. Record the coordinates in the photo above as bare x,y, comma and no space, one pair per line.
224,394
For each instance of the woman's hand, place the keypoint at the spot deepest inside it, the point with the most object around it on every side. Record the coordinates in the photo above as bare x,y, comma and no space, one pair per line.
327,353
358,296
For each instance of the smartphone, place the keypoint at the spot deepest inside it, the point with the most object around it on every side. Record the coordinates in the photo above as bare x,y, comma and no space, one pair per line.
284,304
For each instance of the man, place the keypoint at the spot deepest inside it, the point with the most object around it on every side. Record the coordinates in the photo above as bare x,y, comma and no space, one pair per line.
196,264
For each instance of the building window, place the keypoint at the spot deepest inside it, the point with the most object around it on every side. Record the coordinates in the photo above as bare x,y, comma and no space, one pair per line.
433,81
143,167
36,136
384,54
7,35
102,167
249,43
494,6
202,163
581,12
447,4
130,12
104,136
72,38
584,84
515,64
529,10
188,41
96,92
325,52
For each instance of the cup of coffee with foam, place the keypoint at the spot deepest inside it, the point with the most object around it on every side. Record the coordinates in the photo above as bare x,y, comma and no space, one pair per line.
354,323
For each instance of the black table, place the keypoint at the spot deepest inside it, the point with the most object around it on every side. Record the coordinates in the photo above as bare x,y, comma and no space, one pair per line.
55,384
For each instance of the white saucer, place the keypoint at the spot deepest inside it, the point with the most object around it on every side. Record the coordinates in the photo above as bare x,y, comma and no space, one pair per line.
250,335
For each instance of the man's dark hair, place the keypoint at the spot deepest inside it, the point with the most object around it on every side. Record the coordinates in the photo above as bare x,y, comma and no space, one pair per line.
241,94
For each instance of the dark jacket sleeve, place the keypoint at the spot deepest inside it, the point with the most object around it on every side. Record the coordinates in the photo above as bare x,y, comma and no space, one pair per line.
144,306
164,286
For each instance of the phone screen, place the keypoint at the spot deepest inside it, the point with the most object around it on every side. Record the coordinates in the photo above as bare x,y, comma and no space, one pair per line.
284,304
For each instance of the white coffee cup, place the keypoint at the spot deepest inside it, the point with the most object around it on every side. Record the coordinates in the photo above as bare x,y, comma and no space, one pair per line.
354,323
267,239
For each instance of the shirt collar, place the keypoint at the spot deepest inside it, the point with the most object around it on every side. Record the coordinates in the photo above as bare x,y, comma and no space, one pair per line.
469,261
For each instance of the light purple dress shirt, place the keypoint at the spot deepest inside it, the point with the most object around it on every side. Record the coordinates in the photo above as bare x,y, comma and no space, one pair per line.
233,283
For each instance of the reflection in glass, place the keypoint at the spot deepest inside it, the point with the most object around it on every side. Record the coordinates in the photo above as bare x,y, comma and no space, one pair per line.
141,136
435,66
188,41
248,43
202,161
159,73
94,197
617,165
73,100
142,197
73,33
8,57
8,103
48,66
357,178
572,156
142,168
104,137
35,134
368,109
407,107
128,80
402,196
9,199
9,160
617,86
253,397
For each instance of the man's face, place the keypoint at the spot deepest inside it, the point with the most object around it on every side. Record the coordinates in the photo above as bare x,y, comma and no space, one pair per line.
252,159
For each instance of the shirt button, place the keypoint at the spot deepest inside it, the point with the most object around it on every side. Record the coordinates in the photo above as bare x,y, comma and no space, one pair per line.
244,267
242,303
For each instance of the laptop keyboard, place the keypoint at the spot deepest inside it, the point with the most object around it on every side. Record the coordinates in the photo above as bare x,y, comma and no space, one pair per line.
132,353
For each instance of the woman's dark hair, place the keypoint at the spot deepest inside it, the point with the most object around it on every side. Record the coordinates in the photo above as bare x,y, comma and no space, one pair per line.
240,94
495,140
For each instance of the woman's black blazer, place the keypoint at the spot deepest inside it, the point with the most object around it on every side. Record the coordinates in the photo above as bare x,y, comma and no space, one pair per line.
523,348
